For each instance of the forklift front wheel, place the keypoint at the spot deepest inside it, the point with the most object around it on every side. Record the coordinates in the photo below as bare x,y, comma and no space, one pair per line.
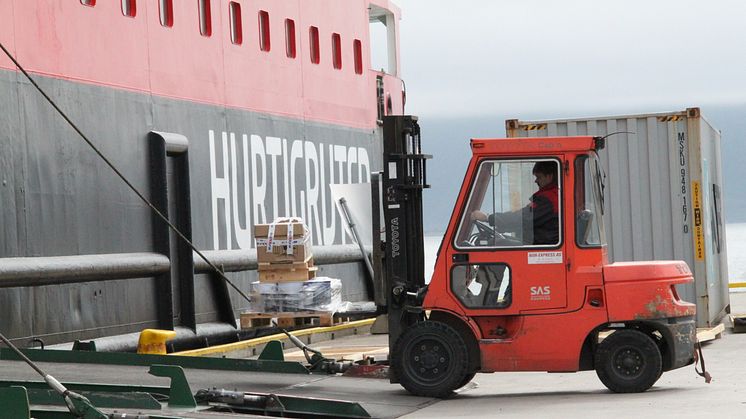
628,361
431,359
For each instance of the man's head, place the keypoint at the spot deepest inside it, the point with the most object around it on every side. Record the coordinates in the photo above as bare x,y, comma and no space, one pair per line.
545,173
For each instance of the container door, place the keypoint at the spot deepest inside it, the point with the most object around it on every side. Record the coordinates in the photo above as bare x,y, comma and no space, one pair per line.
508,253
709,243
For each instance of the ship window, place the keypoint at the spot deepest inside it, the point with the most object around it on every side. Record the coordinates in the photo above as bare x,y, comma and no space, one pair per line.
290,38
357,48
264,42
235,18
337,51
205,18
90,3
129,8
166,9
313,34
382,40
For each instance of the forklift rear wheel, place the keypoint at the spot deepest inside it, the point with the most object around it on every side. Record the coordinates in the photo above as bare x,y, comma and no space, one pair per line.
431,359
628,361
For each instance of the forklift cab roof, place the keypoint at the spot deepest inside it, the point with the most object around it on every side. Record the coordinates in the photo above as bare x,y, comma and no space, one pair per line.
539,145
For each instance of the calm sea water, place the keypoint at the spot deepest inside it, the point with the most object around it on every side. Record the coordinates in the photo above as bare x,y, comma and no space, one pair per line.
735,239
735,235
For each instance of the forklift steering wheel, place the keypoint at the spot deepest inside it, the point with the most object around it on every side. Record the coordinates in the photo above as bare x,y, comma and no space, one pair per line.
490,234
485,230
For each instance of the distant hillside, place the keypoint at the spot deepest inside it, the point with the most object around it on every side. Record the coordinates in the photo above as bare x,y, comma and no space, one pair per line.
447,139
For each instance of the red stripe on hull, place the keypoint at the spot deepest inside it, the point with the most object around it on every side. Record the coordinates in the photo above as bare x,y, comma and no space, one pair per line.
99,45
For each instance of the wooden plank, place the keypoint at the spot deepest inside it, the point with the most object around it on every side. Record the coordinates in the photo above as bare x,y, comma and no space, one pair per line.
707,334
286,320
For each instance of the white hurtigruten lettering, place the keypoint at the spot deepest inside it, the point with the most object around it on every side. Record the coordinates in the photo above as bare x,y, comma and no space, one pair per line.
256,179
220,192
312,189
274,149
258,186
329,230
243,233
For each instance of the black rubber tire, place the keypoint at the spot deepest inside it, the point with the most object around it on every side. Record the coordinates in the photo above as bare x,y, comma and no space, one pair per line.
431,360
628,361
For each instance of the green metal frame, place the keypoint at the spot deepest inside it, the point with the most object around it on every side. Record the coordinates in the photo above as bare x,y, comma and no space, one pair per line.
84,387
318,407
180,393
14,401
17,394
128,400
24,399
146,360
272,352
18,403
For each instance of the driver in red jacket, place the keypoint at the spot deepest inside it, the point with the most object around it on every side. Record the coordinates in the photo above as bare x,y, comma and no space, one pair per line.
539,220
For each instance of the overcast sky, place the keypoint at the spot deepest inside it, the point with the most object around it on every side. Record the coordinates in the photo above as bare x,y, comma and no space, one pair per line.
531,56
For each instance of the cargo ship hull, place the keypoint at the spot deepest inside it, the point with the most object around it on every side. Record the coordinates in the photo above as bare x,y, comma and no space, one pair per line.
228,163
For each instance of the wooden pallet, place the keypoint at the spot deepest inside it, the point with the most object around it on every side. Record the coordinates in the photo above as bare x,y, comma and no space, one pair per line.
287,320
705,334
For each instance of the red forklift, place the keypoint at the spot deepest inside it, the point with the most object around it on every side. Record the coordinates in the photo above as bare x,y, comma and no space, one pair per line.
501,298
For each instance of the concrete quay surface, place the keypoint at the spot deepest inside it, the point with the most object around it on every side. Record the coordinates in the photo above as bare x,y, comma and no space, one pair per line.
677,394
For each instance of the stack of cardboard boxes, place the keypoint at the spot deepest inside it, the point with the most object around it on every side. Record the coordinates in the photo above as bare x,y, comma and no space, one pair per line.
287,276
284,251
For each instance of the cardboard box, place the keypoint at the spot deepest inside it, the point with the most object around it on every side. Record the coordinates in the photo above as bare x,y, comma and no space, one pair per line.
281,229
273,245
286,272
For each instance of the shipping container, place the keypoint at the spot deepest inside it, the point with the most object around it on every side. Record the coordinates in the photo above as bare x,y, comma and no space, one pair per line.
663,194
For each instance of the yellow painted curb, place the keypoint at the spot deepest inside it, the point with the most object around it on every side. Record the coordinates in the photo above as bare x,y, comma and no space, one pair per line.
737,285
245,344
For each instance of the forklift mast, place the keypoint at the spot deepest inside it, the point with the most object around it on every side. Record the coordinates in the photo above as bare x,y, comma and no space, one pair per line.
400,254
